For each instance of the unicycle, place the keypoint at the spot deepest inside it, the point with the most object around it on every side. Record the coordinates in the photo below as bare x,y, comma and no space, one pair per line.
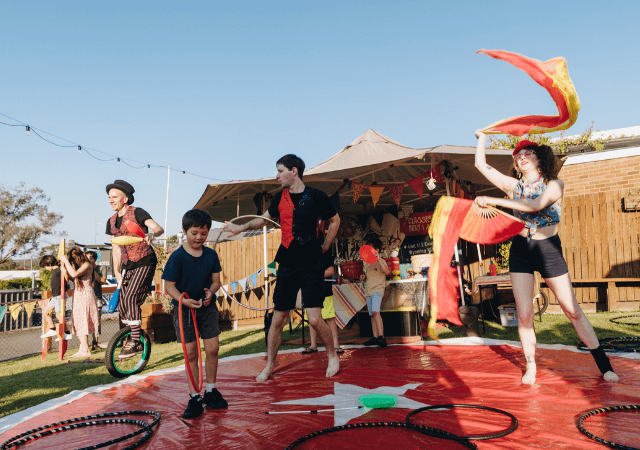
123,367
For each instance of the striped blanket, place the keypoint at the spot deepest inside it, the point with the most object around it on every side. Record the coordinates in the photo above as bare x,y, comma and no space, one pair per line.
348,299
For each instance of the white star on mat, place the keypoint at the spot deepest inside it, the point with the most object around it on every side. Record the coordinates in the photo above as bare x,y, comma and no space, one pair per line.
347,395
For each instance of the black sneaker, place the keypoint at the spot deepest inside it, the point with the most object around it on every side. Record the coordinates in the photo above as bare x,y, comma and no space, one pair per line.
194,408
382,342
131,350
372,341
214,399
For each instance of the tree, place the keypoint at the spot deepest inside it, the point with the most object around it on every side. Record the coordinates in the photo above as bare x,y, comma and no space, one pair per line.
24,219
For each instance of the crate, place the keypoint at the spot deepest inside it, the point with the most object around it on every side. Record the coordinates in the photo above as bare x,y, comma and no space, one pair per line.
508,315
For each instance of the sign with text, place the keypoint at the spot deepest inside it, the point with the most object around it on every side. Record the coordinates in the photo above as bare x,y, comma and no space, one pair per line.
415,245
417,224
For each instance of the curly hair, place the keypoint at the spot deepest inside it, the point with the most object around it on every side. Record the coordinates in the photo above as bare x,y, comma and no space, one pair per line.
548,163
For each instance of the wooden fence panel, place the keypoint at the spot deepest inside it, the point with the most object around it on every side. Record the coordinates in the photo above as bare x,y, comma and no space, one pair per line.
600,240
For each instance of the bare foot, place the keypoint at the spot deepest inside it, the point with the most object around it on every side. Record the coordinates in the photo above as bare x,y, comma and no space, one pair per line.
611,376
264,375
333,366
529,376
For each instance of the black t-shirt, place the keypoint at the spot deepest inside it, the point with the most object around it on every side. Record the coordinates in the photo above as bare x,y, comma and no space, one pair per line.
309,206
192,275
141,216
97,285
56,282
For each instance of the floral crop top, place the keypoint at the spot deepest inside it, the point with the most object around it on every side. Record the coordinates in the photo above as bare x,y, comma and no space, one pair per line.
539,219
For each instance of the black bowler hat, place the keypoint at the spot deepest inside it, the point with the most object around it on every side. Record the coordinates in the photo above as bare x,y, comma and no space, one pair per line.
123,186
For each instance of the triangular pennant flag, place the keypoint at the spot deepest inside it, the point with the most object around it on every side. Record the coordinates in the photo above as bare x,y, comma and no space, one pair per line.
15,310
254,279
260,270
28,307
396,192
379,217
225,290
233,287
407,209
376,192
3,309
357,190
272,268
244,284
416,185
435,173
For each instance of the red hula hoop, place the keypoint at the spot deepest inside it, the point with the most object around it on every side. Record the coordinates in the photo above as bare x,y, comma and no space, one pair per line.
184,346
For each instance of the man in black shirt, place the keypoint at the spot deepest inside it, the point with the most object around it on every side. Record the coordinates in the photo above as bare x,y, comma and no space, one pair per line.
300,209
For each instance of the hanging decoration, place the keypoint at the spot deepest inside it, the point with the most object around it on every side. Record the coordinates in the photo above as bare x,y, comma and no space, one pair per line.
416,184
376,192
357,190
396,192
553,75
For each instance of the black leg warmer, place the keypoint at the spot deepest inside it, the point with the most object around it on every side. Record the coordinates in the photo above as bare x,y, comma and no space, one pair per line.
602,360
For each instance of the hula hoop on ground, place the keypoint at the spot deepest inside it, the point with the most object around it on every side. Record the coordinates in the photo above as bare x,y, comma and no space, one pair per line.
67,425
617,320
606,410
250,216
613,344
184,346
421,428
511,429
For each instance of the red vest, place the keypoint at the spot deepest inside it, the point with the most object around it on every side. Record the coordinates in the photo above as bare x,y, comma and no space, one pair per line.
285,208
133,252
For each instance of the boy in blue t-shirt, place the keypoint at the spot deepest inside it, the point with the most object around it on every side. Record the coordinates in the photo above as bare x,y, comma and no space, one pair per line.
195,270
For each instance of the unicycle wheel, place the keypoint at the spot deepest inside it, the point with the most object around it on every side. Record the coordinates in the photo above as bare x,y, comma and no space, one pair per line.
121,367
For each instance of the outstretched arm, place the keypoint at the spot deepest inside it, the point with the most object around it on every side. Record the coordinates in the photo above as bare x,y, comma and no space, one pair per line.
251,225
503,182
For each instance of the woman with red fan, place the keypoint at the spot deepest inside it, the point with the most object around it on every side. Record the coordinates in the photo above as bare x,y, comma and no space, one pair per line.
535,197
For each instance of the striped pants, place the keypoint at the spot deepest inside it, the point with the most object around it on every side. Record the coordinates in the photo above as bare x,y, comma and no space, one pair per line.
135,288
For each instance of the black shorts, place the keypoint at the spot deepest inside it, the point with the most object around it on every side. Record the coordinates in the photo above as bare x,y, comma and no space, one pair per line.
543,255
308,278
206,319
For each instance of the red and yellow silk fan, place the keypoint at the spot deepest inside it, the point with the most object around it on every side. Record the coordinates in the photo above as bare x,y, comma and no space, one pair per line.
553,75
454,218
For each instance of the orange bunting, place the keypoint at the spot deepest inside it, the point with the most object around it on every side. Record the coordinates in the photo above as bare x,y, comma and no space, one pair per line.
357,190
553,75
376,192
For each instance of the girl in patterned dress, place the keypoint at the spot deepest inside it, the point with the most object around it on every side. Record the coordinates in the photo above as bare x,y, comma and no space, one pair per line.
535,196
85,306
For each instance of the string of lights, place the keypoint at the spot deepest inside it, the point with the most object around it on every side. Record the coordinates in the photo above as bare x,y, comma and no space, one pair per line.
91,151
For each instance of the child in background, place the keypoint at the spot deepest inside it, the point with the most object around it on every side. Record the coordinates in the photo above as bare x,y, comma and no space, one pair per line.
195,270
50,263
328,312
375,281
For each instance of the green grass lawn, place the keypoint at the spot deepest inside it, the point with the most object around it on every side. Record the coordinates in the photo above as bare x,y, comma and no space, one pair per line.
27,382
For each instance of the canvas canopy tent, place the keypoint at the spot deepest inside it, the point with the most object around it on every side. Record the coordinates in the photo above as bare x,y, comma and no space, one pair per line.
371,158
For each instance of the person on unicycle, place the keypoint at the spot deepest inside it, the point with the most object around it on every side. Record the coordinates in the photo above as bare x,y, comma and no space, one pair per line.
135,264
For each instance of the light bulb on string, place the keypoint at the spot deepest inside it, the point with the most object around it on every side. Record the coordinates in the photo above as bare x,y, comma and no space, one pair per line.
149,167
183,174
118,161
28,130
80,149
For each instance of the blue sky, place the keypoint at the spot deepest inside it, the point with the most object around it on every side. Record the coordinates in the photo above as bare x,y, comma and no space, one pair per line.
223,89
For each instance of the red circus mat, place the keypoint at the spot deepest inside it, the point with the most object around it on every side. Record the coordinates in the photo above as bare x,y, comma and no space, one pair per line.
568,385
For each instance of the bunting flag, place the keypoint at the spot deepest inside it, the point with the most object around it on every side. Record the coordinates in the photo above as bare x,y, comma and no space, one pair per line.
232,287
435,173
29,306
416,184
15,310
443,283
396,192
254,279
3,309
272,268
407,210
376,192
553,75
245,284
225,290
357,190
